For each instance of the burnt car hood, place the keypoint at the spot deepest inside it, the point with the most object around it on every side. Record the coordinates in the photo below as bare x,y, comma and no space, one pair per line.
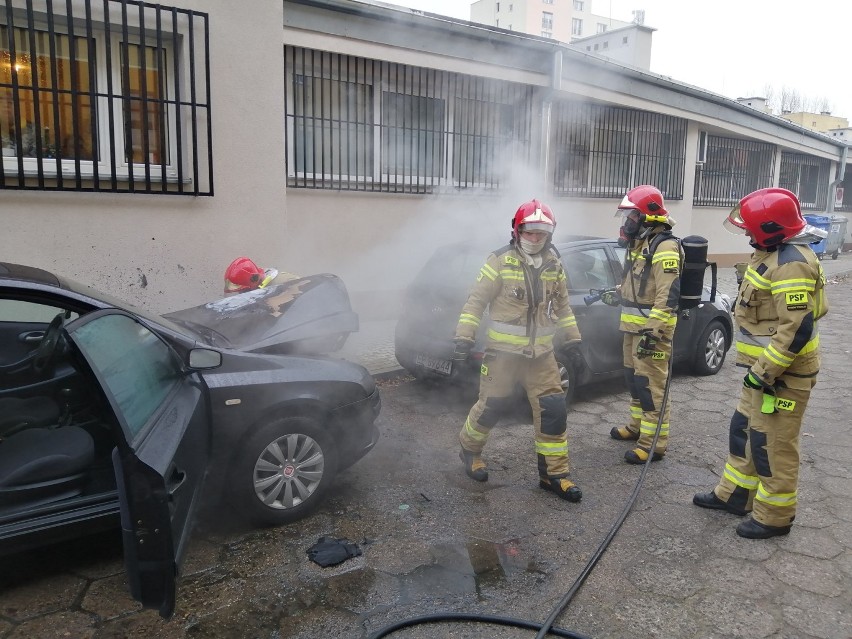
306,315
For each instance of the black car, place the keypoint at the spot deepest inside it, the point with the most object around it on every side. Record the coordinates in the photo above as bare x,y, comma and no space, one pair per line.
109,414
433,302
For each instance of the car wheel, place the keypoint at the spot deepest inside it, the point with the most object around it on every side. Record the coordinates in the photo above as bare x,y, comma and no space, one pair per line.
710,350
568,373
283,471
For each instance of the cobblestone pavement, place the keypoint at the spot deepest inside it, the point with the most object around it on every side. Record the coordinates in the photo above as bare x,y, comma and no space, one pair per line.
434,541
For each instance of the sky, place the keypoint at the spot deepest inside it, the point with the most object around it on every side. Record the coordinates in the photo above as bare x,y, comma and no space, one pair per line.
736,48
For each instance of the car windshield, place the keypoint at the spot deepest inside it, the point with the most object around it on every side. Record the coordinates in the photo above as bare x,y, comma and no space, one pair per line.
153,318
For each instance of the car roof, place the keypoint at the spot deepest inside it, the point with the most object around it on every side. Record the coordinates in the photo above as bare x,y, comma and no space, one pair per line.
30,274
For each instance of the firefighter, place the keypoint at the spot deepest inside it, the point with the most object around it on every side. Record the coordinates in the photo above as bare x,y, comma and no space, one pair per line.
779,302
523,286
244,275
648,296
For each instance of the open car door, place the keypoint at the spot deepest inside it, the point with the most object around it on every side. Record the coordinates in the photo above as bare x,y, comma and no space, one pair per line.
163,445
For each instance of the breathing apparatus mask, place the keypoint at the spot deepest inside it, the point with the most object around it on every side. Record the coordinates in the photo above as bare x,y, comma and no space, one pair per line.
631,227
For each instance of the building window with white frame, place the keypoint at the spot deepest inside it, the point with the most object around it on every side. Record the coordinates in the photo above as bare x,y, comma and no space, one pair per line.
733,168
547,21
576,27
86,106
547,1
602,27
807,177
578,5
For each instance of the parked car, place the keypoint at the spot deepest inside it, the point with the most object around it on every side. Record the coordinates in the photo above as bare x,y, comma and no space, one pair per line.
111,414
433,302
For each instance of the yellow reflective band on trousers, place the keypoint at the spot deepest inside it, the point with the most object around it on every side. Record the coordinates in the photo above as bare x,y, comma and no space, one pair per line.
650,428
474,434
553,449
467,318
567,322
636,411
781,500
749,482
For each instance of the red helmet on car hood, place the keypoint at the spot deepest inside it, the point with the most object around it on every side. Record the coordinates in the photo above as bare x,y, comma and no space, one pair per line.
242,275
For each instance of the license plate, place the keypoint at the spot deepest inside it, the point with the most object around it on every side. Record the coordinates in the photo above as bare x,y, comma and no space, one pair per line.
443,366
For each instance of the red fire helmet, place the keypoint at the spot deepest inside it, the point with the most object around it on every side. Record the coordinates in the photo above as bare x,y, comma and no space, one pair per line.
770,216
242,275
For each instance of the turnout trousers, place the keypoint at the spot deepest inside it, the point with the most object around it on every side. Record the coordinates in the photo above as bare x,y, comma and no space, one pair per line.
500,374
646,380
762,470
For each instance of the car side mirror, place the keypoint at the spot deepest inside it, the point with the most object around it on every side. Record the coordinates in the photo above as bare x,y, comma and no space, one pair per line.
204,359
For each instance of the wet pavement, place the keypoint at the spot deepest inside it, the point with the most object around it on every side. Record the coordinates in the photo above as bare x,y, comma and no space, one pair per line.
435,541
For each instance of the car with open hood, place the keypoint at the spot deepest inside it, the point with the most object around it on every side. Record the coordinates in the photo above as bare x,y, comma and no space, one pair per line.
110,415
434,300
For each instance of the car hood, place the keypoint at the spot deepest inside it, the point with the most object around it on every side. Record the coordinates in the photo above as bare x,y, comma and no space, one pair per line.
306,315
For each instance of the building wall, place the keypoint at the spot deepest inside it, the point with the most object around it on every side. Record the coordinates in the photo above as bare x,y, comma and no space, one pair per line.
629,45
822,122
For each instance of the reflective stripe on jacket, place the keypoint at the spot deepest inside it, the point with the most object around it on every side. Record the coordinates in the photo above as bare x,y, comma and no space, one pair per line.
781,297
653,307
527,306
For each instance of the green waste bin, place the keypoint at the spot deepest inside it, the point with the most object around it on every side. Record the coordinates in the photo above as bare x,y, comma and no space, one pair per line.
836,235
821,222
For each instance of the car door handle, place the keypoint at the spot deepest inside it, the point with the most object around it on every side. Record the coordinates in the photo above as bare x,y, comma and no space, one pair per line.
176,479
31,337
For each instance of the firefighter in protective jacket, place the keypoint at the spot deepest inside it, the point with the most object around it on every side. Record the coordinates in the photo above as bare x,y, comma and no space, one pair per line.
649,296
523,286
780,300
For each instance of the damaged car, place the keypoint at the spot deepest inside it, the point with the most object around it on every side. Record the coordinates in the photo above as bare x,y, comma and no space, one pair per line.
434,300
111,415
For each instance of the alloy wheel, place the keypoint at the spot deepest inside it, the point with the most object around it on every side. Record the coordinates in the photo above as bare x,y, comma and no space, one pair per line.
288,471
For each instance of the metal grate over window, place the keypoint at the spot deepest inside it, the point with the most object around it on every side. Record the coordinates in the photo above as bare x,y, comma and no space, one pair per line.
371,125
734,168
602,151
807,177
104,95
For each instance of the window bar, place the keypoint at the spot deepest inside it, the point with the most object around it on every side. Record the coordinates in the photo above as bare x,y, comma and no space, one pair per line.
312,119
321,115
34,80
161,91
431,85
110,97
16,93
177,104
193,97
128,105
419,128
337,80
93,123
349,125
207,100
305,80
143,88
54,81
465,162
371,130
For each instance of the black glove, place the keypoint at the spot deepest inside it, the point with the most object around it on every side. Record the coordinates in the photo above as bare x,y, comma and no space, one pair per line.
611,297
647,346
329,551
752,381
462,350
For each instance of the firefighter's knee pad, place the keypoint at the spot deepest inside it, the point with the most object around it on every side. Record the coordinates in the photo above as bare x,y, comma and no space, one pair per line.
737,436
630,381
495,408
759,454
643,393
554,414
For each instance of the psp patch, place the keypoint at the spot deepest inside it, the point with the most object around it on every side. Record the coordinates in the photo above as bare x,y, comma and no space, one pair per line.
784,404
670,266
796,301
512,260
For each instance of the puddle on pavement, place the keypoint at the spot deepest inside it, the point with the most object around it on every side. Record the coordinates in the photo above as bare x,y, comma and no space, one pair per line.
469,568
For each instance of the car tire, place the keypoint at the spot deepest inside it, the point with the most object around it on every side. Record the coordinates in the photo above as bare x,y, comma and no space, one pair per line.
283,471
710,349
568,373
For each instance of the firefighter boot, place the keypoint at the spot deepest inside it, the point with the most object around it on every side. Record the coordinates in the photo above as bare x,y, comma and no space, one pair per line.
473,465
640,456
710,500
623,434
751,529
562,487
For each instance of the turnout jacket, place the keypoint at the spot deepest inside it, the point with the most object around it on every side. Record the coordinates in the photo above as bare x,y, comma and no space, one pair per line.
779,302
528,306
651,287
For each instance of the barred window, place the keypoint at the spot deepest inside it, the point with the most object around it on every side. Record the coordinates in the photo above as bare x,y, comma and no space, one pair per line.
359,124
734,168
807,177
603,151
112,96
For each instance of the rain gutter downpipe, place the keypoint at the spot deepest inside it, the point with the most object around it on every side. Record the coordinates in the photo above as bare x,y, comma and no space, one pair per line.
841,174
546,114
